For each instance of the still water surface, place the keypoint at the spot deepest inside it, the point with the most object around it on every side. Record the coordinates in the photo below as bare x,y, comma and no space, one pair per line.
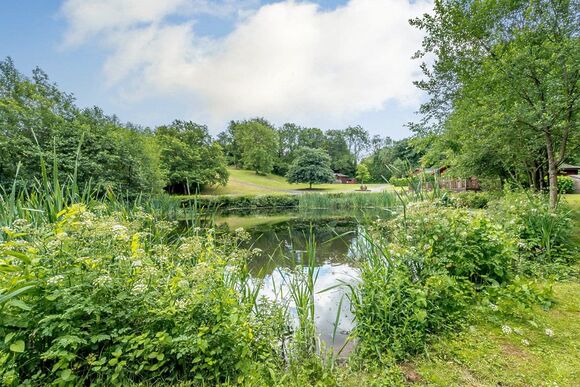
283,239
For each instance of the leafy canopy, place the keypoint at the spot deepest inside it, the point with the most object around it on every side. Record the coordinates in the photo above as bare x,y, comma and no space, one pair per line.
312,166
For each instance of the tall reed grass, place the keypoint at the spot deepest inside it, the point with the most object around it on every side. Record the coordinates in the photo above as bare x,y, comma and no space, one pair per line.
352,200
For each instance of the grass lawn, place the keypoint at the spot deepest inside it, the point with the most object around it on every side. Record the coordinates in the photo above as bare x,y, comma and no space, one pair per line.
244,182
485,356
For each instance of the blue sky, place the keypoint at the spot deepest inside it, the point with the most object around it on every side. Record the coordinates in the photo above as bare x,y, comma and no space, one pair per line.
326,63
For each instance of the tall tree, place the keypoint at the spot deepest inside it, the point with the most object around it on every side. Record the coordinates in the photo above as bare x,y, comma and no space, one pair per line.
258,142
311,166
342,160
504,66
39,121
358,141
190,157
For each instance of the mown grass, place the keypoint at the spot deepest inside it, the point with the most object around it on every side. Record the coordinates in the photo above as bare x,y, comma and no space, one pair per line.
484,356
244,182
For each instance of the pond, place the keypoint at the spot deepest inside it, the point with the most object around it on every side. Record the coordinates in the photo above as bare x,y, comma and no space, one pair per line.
283,241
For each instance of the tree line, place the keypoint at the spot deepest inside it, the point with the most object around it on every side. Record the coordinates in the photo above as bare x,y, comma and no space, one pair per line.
38,122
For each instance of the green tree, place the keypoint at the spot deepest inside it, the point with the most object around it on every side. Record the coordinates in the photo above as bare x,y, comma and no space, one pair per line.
39,121
504,84
311,166
362,173
342,161
358,141
258,143
190,157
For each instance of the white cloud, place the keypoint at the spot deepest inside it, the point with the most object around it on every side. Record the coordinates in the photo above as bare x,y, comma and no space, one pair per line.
286,61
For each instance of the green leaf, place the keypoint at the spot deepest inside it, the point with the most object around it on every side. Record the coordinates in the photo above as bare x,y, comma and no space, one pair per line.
23,257
9,337
15,293
17,346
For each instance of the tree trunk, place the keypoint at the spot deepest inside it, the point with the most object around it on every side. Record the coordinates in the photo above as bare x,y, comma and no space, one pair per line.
552,171
310,186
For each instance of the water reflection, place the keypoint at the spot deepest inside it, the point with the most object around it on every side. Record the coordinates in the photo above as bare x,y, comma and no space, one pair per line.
327,300
283,240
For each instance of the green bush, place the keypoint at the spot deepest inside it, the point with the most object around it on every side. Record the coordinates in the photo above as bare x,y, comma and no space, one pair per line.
401,181
107,299
543,235
565,185
242,202
475,200
422,279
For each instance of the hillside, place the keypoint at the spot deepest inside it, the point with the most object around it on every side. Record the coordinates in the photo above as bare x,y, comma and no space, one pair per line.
244,182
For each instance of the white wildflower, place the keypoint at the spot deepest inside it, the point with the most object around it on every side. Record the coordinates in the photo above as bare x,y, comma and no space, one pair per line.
139,289
61,236
525,342
54,280
20,223
493,306
181,304
549,332
137,263
409,238
122,258
506,329
102,280
119,229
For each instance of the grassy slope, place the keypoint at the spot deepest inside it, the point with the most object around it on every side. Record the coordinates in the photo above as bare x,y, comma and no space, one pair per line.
484,356
243,182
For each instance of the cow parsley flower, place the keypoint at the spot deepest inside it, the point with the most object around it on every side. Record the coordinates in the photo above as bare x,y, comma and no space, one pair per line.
55,280
506,329
139,289
181,303
525,342
102,280
549,332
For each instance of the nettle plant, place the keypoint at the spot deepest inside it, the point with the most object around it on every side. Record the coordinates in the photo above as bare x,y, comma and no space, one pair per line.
103,297
542,233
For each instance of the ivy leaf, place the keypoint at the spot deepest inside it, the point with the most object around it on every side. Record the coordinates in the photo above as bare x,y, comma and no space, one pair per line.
17,346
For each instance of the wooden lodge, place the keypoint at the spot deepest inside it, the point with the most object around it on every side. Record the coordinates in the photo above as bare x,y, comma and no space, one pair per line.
568,170
344,179
447,183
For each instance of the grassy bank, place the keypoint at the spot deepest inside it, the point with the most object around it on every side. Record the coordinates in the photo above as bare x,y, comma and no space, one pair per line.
244,182
336,201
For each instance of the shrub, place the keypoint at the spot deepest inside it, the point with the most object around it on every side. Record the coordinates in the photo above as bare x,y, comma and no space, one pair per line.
400,181
421,279
242,202
565,185
107,299
476,200
542,234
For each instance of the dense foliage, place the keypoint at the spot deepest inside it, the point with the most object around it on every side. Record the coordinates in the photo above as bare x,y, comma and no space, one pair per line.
311,166
190,157
109,298
432,268
503,87
38,121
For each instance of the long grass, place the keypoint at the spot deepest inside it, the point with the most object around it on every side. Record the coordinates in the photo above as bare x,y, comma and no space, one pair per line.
359,200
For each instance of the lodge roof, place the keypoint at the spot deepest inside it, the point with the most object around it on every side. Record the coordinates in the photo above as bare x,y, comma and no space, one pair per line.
568,166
